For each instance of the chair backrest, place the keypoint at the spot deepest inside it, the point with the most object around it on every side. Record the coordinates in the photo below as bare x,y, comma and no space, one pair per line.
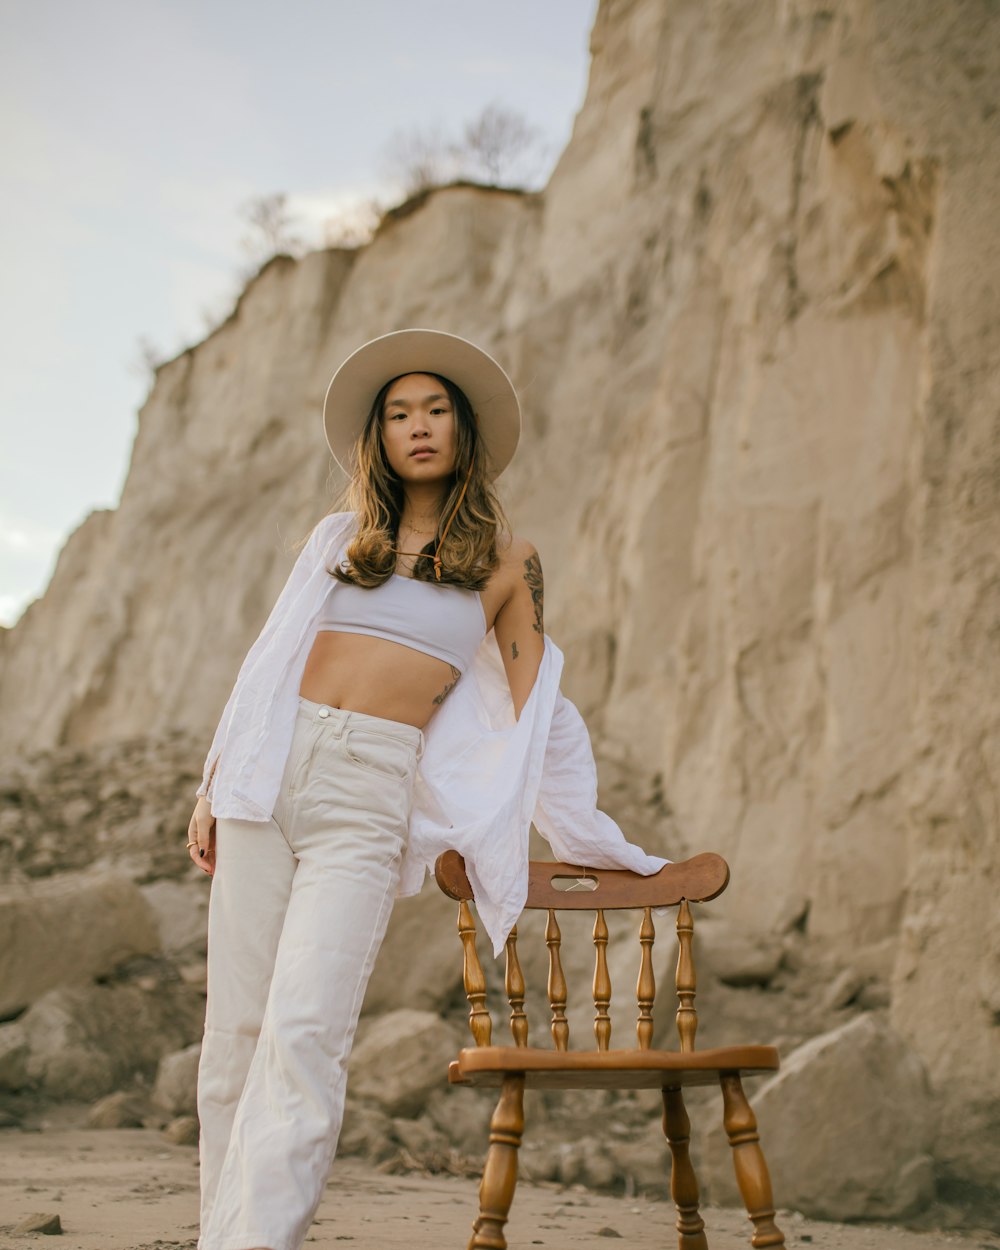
556,887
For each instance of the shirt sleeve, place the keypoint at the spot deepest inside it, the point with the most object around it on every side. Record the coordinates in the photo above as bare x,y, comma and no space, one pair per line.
303,567
566,813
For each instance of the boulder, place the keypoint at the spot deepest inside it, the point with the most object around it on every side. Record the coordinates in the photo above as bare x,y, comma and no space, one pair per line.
846,1128
180,909
402,1059
183,1131
88,1041
176,1084
14,1050
122,1109
39,1222
67,930
366,1131
419,963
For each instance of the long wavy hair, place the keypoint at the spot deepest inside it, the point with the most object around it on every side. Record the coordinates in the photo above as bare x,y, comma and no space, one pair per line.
375,493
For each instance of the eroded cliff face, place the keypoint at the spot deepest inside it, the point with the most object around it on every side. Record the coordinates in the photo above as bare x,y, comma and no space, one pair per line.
753,322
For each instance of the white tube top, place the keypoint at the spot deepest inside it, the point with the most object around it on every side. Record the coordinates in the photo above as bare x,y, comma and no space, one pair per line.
444,621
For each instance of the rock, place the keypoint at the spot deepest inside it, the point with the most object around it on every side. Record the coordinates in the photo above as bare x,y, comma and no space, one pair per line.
643,1157
846,1129
738,959
402,1059
367,1131
181,912
421,939
176,1086
423,1140
463,1115
608,1231
14,1051
68,930
843,989
122,1109
87,1042
182,1131
45,1222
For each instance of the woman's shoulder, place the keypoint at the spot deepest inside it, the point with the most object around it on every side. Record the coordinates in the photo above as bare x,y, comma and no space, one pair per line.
516,552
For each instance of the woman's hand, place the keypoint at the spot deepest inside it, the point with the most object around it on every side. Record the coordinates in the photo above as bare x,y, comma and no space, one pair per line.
201,836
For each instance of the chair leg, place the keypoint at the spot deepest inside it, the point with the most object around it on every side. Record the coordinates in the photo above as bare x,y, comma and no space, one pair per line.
752,1175
496,1190
683,1182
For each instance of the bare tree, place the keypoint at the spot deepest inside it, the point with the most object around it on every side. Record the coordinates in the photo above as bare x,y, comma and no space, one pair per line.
418,158
271,228
497,145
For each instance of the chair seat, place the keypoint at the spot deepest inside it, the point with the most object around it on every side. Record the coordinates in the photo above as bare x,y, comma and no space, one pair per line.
607,1069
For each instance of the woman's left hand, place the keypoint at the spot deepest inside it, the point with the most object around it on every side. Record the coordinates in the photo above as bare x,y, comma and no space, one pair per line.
201,836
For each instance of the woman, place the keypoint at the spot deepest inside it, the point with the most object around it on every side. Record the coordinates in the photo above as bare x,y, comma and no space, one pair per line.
401,699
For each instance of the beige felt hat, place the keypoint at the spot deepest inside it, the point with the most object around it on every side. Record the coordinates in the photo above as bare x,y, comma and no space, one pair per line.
358,380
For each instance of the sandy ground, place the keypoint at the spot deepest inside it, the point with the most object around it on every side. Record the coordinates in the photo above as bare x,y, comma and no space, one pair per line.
131,1189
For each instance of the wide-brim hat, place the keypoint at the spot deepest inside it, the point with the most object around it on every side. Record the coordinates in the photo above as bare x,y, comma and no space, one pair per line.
359,379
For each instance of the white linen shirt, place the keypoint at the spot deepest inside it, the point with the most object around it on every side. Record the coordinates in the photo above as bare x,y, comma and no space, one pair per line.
484,774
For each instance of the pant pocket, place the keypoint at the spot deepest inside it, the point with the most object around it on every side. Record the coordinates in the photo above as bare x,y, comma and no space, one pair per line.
381,753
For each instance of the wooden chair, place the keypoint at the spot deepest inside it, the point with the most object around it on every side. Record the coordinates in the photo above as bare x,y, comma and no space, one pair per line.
512,1068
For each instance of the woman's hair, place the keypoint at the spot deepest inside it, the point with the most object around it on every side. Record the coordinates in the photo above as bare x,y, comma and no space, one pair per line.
375,493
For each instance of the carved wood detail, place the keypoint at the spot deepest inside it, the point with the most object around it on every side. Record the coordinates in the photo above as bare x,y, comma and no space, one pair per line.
683,1183
475,982
687,1017
556,984
752,1175
496,1190
514,985
645,990
602,983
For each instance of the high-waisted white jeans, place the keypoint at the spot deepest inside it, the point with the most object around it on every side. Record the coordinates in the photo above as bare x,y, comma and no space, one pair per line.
298,909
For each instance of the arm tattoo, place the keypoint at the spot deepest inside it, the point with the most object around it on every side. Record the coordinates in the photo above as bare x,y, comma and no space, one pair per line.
533,576
514,653
449,686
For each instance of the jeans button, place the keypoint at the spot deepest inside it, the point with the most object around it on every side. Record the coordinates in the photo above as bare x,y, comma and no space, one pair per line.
324,712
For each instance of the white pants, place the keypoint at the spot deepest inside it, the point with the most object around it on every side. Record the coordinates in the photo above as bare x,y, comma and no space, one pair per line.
298,909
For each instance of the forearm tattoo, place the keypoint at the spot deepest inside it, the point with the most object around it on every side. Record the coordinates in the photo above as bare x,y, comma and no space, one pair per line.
514,653
533,576
449,686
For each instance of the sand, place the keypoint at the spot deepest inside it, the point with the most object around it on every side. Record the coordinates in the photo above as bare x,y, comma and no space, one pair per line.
131,1189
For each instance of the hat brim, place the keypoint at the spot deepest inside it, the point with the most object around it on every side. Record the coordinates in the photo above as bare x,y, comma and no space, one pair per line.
490,391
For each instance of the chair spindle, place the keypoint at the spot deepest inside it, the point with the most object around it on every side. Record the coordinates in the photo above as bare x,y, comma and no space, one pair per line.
687,1017
645,990
557,984
602,983
475,982
514,985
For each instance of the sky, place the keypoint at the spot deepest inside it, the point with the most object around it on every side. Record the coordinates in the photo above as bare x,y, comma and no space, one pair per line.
132,135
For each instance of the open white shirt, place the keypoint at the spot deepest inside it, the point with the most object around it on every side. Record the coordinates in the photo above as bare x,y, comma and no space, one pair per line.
484,776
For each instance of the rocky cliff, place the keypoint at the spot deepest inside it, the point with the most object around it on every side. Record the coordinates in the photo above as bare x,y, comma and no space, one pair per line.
753,320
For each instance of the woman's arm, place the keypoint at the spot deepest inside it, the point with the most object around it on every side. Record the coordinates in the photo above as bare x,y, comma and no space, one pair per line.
520,631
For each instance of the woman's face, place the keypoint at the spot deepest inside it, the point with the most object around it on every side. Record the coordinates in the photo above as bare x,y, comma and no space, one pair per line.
418,428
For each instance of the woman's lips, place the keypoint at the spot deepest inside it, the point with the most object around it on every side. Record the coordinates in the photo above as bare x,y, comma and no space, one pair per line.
422,455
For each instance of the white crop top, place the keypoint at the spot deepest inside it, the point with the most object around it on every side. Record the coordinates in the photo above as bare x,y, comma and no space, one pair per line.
444,621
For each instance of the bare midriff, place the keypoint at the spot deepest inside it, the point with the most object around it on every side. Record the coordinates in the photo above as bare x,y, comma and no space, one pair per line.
361,673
